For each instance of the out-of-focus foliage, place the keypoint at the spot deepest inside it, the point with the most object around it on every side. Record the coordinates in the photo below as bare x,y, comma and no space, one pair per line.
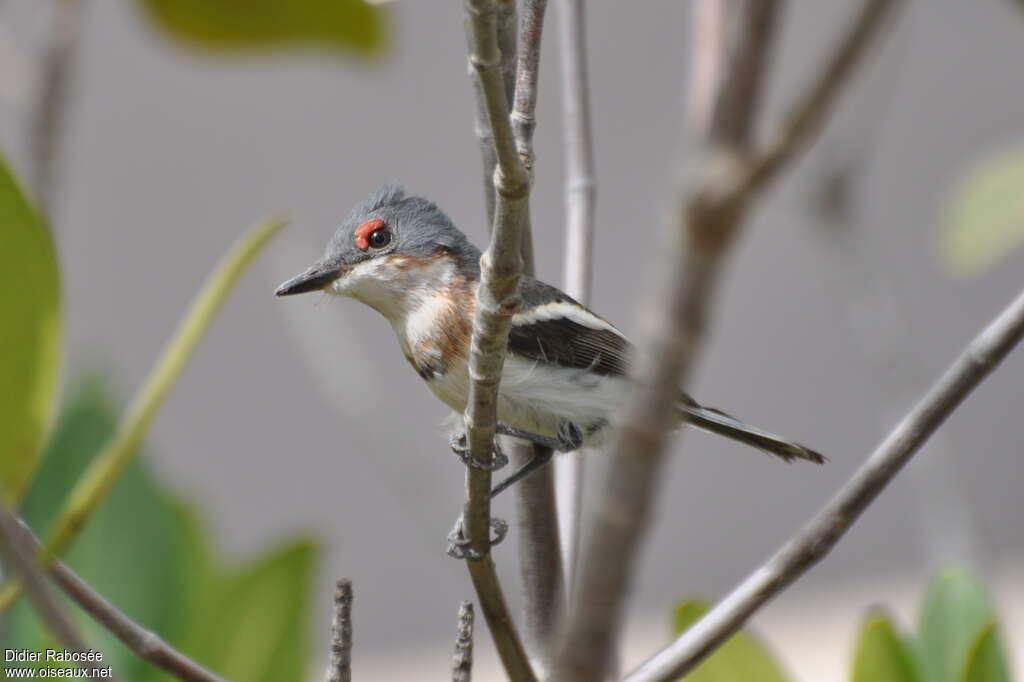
957,641
882,653
985,659
29,334
953,623
742,657
351,26
150,554
986,214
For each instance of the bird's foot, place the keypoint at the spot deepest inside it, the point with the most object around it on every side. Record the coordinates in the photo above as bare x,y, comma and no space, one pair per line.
459,546
460,446
568,438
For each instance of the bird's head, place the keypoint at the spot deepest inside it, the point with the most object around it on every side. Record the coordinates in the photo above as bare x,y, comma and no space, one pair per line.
391,248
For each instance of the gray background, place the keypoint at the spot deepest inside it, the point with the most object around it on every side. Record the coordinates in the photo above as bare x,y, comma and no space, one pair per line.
301,415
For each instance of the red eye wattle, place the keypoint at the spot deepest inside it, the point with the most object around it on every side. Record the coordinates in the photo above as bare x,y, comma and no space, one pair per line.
363,232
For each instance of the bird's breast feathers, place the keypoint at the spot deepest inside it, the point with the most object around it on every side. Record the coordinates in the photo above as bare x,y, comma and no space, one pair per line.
564,363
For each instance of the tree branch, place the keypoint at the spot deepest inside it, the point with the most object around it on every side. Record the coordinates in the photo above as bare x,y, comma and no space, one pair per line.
51,101
580,200
697,235
145,644
811,544
340,668
812,106
497,297
540,560
462,661
19,560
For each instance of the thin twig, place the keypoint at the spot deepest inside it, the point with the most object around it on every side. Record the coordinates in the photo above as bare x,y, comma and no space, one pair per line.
145,644
524,118
812,106
697,236
340,668
505,25
19,559
105,469
497,297
540,559
462,661
580,201
707,35
52,99
811,544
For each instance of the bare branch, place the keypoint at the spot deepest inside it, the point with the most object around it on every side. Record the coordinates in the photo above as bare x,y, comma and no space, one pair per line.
748,27
145,644
580,200
811,544
16,556
707,36
540,560
812,106
524,119
51,101
505,24
697,237
497,297
462,661
340,668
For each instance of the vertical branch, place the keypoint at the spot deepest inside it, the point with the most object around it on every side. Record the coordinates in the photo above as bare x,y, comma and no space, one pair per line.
14,554
340,668
497,298
505,25
462,661
697,236
540,561
45,133
580,200
709,218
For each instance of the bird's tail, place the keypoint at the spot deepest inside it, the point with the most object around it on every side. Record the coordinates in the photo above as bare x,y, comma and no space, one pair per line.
722,424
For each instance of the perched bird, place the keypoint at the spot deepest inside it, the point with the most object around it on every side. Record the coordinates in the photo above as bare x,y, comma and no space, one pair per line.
564,378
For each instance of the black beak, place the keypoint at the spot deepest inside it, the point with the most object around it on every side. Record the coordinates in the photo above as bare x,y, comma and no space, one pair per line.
313,279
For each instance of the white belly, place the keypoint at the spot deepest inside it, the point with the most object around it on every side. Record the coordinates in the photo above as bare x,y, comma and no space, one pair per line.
539,398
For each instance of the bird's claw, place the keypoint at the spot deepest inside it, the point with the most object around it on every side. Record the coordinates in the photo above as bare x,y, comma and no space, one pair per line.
459,545
461,449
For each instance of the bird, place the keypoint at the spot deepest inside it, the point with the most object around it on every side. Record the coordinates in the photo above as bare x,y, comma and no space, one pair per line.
565,376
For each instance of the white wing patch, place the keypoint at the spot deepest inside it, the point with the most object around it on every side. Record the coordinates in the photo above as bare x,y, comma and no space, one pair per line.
556,310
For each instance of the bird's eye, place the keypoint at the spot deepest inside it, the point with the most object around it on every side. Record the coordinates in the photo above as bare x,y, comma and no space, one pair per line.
380,238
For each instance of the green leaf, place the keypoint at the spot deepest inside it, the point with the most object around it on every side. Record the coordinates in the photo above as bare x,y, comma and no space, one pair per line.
986,215
255,25
124,551
986,661
741,657
882,655
253,626
151,555
29,335
955,611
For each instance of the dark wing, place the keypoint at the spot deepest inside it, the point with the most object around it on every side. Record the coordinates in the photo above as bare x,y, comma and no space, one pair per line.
551,327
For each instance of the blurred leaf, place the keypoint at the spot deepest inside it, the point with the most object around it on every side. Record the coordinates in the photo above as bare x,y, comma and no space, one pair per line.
955,611
150,555
253,624
986,661
741,657
986,218
29,334
882,655
123,552
253,25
